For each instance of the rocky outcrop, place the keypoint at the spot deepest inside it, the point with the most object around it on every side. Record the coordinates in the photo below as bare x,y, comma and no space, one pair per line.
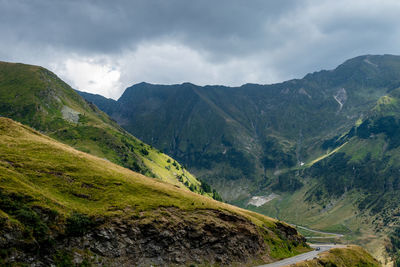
168,237
70,114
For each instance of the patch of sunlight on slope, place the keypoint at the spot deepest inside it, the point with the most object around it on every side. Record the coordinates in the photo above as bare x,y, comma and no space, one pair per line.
168,169
358,122
324,156
385,101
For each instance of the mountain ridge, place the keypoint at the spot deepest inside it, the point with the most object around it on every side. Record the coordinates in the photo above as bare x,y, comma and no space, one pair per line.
301,139
55,184
37,97
257,118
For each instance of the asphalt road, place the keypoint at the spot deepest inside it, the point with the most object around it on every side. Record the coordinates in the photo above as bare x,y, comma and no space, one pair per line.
305,256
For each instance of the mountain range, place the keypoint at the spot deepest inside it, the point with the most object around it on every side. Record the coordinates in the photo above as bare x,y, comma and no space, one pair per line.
76,189
322,150
230,134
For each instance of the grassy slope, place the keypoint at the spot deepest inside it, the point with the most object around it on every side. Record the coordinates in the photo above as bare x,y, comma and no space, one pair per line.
36,97
342,257
57,177
32,163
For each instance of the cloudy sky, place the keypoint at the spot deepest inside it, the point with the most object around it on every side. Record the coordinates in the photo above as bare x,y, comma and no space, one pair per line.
105,46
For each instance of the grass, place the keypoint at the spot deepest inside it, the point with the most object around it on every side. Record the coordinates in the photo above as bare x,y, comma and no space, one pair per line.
359,148
342,257
35,96
40,160
45,173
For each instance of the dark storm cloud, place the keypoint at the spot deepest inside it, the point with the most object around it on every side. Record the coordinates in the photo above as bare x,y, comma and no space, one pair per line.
108,26
105,46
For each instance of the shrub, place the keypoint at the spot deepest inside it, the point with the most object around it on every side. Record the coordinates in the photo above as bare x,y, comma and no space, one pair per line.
206,187
144,152
78,224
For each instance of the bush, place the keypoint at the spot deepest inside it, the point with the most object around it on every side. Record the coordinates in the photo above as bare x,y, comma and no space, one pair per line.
206,187
192,187
18,207
78,224
216,196
33,222
363,131
144,152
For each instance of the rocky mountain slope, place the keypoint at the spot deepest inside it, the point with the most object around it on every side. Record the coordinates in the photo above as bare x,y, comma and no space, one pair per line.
239,138
65,207
324,147
37,97
355,188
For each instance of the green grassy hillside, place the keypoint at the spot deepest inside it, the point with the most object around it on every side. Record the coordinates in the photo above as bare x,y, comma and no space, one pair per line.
342,257
56,201
35,96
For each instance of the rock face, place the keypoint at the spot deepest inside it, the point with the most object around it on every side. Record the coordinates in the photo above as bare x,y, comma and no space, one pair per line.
69,114
172,237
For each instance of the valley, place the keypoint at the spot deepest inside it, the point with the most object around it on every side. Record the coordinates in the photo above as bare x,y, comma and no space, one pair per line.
80,191
326,144
199,133
78,181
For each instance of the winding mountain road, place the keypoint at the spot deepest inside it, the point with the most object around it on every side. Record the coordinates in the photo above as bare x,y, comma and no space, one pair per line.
305,256
328,234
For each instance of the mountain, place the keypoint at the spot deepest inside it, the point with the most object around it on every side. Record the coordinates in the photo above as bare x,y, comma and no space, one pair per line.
37,97
354,188
320,151
63,207
366,163
239,138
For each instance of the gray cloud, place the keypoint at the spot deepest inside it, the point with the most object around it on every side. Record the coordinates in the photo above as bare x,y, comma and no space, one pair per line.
108,26
117,43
